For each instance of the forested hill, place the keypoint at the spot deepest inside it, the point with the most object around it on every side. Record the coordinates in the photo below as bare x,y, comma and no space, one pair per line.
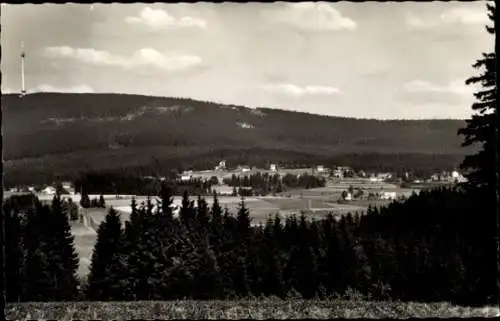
116,128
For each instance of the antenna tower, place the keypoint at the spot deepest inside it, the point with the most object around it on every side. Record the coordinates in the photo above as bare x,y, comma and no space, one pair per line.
23,55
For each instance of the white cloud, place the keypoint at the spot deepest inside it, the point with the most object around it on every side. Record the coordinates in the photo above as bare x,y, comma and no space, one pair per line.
73,89
311,16
465,16
161,19
296,91
141,58
456,87
462,15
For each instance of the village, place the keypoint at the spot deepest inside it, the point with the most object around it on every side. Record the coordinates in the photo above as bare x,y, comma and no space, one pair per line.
342,186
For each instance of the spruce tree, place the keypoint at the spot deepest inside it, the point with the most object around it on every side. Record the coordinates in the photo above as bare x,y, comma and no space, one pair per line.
14,254
102,202
85,200
107,260
39,279
166,201
483,124
484,166
64,257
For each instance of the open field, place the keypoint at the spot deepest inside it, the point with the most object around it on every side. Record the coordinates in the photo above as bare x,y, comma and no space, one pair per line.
241,309
85,239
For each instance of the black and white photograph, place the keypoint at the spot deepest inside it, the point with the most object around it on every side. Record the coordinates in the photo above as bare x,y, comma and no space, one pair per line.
253,160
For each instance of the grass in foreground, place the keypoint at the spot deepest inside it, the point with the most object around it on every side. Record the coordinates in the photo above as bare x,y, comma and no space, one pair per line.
238,309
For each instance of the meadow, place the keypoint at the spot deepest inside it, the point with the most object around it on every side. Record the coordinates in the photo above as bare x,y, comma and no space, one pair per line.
257,308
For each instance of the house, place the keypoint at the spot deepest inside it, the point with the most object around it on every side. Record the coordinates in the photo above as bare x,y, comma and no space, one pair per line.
374,179
221,166
338,173
68,186
49,190
320,168
186,176
245,169
384,176
272,167
388,196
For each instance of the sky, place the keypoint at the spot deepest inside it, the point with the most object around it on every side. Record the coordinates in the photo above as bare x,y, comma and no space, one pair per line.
366,60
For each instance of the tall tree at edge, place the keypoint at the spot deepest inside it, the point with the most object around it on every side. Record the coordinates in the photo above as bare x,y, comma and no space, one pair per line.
483,128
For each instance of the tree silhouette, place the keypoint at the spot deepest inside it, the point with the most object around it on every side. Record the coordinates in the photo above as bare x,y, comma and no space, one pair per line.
107,261
484,166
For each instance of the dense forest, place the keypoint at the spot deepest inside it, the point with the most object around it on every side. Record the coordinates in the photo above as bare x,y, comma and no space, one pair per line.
434,239
50,135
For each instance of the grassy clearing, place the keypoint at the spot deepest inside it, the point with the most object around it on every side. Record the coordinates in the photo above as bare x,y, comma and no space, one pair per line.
241,309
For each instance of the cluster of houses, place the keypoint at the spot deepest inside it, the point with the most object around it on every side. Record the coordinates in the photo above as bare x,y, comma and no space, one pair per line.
46,190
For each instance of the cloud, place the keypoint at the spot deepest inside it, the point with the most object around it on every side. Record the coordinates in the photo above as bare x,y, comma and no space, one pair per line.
141,58
160,19
456,87
465,16
462,15
73,89
296,91
311,16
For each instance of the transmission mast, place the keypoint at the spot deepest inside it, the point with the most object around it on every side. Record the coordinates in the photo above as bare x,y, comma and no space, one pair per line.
23,56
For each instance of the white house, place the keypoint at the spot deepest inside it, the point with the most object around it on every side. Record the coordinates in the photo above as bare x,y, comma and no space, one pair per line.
221,166
272,167
338,173
320,168
49,190
384,176
388,195
245,169
348,197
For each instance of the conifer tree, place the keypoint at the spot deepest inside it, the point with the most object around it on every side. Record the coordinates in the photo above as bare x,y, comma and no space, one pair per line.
14,254
85,200
107,260
482,126
484,166
64,258
166,201
39,277
102,202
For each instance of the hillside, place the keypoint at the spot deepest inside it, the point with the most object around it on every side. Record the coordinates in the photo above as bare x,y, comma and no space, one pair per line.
72,132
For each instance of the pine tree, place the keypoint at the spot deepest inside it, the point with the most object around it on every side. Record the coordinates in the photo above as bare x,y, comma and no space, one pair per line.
14,254
102,202
107,260
64,258
484,166
272,274
481,127
39,281
85,200
166,201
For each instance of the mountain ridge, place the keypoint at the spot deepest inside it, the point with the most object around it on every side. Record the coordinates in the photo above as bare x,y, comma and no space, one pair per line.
51,125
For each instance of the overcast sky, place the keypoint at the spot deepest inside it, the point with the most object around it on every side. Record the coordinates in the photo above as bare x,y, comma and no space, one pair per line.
366,60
